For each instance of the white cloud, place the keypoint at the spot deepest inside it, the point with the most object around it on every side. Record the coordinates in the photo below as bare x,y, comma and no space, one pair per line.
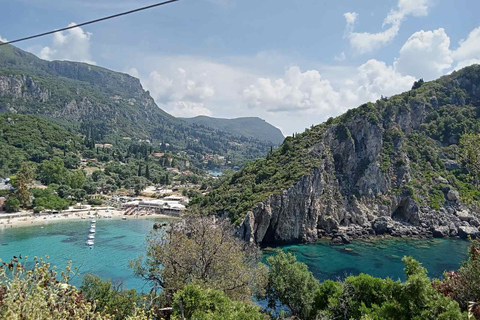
133,72
376,79
188,109
350,17
295,91
308,92
178,87
426,54
468,52
364,42
72,45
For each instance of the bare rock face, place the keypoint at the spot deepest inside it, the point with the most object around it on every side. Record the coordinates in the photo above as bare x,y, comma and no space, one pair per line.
350,191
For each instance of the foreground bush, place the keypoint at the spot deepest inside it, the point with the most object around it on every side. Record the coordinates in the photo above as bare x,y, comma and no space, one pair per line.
41,293
463,285
194,303
358,297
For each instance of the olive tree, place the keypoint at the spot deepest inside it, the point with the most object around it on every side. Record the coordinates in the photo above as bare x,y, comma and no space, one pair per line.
202,251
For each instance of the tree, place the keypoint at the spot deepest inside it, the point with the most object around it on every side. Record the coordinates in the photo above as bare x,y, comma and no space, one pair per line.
194,302
138,184
470,154
22,183
290,282
202,251
12,204
147,172
52,171
463,285
76,179
109,298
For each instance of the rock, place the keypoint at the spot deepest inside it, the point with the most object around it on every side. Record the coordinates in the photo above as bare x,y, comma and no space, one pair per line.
441,180
474,222
440,231
451,164
336,241
465,232
340,238
381,225
453,195
464,215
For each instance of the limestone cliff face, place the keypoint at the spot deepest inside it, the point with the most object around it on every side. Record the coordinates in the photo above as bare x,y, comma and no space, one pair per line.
353,194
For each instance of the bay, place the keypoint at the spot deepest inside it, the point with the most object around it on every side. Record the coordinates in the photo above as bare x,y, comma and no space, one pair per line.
118,241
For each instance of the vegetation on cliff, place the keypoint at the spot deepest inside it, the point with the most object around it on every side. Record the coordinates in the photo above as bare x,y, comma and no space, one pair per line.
421,132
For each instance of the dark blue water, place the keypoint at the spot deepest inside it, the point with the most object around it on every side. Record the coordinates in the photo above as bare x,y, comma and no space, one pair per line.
119,241
382,258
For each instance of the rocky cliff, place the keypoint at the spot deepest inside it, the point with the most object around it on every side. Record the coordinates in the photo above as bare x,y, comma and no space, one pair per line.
385,168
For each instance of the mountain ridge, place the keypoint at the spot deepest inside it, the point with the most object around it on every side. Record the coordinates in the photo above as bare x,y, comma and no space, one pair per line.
108,106
253,127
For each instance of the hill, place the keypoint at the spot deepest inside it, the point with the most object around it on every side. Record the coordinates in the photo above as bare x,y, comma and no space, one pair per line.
29,138
251,127
390,167
107,106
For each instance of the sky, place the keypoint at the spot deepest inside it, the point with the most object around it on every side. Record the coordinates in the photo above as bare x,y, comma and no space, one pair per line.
292,63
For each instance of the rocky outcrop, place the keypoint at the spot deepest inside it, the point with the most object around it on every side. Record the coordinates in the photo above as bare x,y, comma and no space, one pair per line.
352,193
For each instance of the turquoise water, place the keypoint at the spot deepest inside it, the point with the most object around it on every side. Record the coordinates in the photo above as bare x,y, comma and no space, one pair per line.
116,242
382,258
119,241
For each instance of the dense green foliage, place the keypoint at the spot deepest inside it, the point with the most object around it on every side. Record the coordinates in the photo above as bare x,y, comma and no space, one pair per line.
358,297
248,127
447,110
108,298
110,107
193,303
30,138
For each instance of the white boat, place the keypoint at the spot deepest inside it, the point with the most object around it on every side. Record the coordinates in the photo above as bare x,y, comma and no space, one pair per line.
93,226
91,236
124,218
89,243
91,217
94,221
92,230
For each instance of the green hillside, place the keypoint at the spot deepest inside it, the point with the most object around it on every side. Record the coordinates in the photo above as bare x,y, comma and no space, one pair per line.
251,127
107,106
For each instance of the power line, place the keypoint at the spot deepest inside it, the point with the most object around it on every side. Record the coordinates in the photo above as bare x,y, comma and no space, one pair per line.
90,22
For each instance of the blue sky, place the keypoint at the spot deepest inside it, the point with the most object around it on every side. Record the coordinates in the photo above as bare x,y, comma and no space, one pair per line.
292,63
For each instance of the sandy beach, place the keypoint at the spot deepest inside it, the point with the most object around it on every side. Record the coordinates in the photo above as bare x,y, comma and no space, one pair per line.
26,219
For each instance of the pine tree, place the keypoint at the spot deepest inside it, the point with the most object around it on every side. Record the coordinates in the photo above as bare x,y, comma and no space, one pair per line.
139,170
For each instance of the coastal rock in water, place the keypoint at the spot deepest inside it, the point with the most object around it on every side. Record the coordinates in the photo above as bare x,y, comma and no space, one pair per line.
465,232
441,232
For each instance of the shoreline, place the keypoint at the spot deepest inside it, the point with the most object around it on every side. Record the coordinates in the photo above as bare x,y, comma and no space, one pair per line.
31,220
